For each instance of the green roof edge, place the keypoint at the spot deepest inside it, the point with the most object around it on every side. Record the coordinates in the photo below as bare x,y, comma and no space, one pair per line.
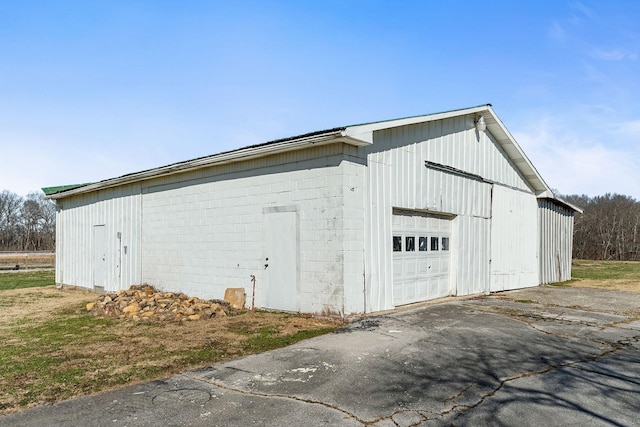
57,189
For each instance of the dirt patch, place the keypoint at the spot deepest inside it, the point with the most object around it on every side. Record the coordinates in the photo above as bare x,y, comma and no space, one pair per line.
38,304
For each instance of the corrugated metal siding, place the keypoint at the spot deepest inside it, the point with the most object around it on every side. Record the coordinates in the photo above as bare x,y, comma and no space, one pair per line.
118,209
378,238
555,225
398,178
470,256
514,242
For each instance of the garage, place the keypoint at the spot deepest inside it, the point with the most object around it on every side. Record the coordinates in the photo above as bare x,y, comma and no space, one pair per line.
347,220
421,256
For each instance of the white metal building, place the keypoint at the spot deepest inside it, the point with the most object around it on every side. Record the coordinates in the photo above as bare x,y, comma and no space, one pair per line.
348,220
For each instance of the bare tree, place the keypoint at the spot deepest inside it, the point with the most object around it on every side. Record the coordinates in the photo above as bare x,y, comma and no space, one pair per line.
609,228
26,223
10,204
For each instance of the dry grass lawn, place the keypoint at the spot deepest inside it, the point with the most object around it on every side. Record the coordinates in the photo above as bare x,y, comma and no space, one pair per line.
614,275
27,260
52,349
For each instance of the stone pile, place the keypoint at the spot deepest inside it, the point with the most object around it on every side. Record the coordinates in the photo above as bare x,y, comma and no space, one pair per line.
145,303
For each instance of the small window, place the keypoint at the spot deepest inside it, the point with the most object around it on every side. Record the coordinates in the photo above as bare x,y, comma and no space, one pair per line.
445,243
410,244
422,243
397,243
434,243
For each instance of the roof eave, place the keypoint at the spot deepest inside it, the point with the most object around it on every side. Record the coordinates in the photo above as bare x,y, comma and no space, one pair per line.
365,131
562,202
242,154
517,155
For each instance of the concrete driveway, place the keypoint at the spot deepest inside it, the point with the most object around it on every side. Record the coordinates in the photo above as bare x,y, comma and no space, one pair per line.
541,356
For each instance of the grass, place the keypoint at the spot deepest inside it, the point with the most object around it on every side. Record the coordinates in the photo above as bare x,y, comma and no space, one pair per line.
605,270
30,279
612,275
47,356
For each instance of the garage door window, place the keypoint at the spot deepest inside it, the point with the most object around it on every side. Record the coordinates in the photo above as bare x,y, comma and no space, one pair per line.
422,243
445,243
397,243
411,244
434,243
406,243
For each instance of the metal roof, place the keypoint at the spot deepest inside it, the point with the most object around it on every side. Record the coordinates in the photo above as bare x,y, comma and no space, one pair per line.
60,188
358,135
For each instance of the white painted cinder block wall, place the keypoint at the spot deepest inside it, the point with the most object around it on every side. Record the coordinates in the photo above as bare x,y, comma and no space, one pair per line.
203,234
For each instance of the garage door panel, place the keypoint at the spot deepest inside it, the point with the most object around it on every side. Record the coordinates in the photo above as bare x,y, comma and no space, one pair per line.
422,289
409,267
423,266
397,269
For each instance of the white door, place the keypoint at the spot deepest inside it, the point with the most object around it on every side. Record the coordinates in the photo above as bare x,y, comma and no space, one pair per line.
99,256
421,257
514,239
281,261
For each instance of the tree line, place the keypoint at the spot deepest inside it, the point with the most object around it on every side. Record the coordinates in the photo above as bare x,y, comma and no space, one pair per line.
27,223
608,229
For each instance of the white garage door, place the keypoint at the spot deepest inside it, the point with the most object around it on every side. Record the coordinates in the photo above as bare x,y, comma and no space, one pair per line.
421,257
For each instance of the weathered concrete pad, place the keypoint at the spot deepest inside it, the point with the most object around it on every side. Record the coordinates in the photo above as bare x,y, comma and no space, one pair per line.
522,358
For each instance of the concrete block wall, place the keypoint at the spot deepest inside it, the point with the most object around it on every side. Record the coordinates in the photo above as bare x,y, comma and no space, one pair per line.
203,234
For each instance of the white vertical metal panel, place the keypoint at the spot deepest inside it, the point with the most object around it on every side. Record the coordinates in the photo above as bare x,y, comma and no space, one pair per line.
353,213
118,210
470,255
555,224
398,178
378,242
452,142
514,243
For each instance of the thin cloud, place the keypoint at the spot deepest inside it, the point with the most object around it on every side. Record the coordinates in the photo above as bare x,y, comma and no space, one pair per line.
582,12
557,32
576,166
630,129
613,55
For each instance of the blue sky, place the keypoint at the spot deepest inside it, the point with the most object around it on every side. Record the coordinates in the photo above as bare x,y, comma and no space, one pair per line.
93,90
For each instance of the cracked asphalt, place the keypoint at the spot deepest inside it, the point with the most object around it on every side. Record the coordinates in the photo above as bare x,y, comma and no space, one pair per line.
541,356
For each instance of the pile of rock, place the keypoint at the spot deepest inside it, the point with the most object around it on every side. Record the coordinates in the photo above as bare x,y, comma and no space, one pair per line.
145,303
